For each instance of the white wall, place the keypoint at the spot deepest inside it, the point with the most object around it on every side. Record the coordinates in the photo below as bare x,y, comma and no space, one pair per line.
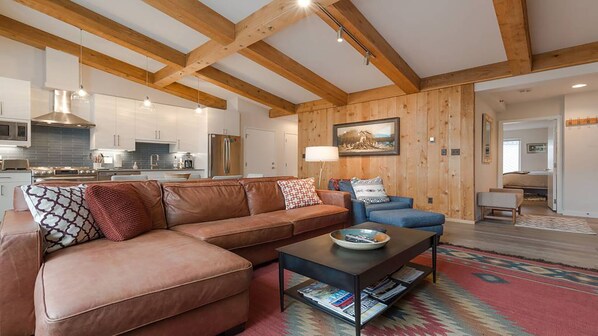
254,116
581,157
485,174
530,161
533,109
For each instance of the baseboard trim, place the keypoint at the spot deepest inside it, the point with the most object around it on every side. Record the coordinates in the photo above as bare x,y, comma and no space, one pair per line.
580,214
463,221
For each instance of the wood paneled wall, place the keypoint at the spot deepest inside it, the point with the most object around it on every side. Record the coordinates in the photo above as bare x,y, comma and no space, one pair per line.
420,171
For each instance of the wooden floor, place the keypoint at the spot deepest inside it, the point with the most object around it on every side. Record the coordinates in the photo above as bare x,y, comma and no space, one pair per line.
501,236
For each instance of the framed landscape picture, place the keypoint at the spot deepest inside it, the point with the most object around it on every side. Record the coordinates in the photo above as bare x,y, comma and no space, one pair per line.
375,137
536,148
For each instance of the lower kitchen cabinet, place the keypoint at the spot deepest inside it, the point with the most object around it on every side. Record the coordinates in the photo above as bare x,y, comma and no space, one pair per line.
8,182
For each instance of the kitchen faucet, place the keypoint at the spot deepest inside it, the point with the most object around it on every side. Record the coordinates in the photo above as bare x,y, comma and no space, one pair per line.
152,163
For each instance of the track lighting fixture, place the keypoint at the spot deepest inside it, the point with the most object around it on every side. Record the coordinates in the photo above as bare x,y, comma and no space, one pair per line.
366,61
339,35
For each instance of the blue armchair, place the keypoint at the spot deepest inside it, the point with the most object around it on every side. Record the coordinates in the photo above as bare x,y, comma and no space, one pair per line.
361,211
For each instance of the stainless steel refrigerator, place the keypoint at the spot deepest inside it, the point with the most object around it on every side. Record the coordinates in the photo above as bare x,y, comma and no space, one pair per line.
224,156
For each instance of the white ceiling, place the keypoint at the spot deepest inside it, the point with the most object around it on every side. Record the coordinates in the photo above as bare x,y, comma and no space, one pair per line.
556,24
544,89
433,36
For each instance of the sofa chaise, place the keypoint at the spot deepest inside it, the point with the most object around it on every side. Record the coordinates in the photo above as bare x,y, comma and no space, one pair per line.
189,275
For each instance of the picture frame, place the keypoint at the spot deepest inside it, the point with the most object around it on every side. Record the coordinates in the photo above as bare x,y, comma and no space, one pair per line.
487,129
534,148
367,138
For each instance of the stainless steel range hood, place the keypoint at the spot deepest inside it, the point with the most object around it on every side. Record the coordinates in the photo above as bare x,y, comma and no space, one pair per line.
61,115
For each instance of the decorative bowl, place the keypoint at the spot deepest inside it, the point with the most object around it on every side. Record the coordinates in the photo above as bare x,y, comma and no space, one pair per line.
359,239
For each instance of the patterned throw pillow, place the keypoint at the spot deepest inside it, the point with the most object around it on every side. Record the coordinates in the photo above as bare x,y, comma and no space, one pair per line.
299,193
370,191
118,211
62,214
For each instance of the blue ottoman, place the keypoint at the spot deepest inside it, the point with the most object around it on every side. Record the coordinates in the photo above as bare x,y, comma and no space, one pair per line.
410,218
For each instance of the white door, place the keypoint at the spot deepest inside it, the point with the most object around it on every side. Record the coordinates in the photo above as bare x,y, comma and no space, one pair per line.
291,144
125,123
260,152
551,194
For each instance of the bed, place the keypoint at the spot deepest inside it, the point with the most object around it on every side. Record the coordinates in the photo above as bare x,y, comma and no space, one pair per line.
535,182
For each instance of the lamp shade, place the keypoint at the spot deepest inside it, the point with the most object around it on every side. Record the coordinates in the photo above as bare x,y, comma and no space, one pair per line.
321,154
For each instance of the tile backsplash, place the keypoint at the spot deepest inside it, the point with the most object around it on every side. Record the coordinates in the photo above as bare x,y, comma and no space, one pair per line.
54,146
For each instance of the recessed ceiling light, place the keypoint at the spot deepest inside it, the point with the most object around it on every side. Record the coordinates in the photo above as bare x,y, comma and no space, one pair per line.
303,3
580,85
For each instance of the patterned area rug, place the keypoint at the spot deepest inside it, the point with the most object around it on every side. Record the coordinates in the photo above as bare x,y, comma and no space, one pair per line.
477,293
563,224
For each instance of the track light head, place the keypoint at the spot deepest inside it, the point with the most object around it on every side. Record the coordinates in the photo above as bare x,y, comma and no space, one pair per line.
339,34
366,60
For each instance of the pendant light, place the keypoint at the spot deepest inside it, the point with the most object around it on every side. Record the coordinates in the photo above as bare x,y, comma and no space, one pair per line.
80,94
198,109
147,103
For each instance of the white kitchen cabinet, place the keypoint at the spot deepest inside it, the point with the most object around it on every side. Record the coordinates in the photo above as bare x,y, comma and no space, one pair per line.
157,124
115,121
224,122
191,128
15,99
125,123
8,182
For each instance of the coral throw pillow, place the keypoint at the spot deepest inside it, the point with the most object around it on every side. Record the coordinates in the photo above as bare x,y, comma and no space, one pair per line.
62,214
118,210
370,191
299,193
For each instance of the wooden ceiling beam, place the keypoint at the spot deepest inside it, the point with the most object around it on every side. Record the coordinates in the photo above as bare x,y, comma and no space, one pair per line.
384,57
276,61
577,55
263,23
514,29
90,21
233,84
34,37
199,17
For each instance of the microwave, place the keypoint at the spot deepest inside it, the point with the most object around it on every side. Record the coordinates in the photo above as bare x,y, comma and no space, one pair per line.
14,130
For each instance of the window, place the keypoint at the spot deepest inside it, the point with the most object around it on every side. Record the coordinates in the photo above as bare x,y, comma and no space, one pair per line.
511,156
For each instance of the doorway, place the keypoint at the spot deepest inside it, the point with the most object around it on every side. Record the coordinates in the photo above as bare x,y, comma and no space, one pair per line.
529,159
260,152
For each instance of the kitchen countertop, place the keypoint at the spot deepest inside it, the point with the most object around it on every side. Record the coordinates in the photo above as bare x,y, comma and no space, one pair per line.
28,171
141,169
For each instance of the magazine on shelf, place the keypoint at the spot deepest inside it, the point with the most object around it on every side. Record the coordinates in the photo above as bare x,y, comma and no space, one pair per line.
407,274
385,289
342,302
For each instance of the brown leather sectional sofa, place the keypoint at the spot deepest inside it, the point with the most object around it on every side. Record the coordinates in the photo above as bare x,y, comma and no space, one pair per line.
190,275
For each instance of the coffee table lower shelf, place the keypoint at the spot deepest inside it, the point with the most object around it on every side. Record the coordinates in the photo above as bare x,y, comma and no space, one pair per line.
293,292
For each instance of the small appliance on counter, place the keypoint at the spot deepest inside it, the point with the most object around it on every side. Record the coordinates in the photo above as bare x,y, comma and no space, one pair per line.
188,161
15,164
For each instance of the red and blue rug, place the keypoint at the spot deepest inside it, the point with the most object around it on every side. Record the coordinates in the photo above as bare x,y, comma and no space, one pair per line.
477,293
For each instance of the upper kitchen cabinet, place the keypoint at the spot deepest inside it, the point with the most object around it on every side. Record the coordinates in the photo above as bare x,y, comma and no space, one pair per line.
157,124
191,132
224,122
15,99
114,118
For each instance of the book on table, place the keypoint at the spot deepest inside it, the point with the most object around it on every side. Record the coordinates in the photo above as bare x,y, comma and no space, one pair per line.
407,274
341,301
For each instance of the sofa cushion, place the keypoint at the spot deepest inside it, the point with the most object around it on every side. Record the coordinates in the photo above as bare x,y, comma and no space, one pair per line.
264,194
118,211
314,217
299,193
407,218
240,232
149,191
385,206
63,215
206,201
107,288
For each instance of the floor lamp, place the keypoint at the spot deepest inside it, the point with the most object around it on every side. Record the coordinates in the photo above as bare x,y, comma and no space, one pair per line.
321,154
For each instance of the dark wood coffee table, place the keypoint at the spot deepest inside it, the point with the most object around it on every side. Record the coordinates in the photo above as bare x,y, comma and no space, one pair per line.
321,260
